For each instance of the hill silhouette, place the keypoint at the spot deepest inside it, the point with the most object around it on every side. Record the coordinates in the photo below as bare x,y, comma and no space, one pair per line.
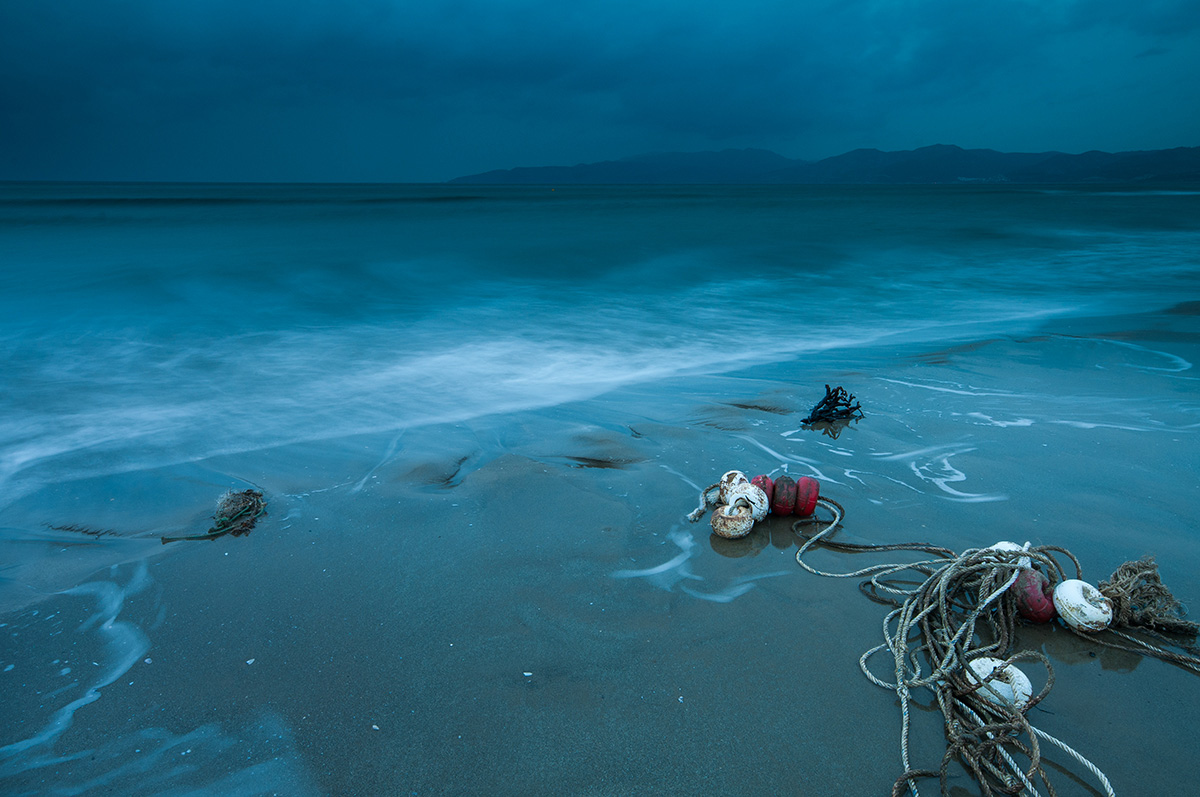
940,163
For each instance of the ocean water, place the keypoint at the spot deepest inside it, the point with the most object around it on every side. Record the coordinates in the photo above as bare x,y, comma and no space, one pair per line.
349,348
148,325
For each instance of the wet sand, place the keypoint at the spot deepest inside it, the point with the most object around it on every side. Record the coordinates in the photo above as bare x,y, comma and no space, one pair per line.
518,605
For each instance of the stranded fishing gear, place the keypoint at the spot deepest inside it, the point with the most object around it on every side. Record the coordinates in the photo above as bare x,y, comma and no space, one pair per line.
237,513
738,502
953,629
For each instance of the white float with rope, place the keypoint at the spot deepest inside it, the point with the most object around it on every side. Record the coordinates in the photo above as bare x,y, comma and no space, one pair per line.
1082,606
952,593
1005,545
730,481
753,495
1008,685
732,521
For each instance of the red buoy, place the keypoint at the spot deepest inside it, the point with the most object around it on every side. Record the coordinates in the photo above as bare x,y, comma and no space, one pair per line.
785,495
808,490
1035,596
765,484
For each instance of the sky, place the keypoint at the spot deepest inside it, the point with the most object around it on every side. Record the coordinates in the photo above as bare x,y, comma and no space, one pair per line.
405,91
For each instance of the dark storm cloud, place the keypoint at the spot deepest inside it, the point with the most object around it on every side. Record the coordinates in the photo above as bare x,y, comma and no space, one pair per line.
386,90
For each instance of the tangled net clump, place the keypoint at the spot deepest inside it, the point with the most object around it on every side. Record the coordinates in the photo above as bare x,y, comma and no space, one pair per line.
236,514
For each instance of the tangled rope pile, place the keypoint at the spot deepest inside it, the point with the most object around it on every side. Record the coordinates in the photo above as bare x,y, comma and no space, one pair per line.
237,513
961,620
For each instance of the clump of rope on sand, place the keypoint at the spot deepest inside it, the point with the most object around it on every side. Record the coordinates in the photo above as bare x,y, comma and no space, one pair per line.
237,513
963,610
952,629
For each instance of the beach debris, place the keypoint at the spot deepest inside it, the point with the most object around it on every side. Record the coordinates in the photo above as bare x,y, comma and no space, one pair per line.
729,482
738,503
752,496
236,514
744,504
732,521
75,528
1082,606
766,484
784,500
1000,682
1008,545
838,405
1035,596
1140,598
953,630
808,492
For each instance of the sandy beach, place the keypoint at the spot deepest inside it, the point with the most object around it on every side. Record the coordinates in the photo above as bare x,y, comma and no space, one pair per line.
518,604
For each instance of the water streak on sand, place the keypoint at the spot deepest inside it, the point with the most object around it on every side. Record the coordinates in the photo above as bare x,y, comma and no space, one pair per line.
956,391
676,571
1177,363
811,465
124,643
1002,424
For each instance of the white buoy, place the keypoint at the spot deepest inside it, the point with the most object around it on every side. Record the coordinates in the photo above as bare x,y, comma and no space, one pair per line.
729,481
1011,686
1082,606
1005,545
754,496
732,522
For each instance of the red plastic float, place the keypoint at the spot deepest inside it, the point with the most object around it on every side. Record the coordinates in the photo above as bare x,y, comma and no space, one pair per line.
785,495
1035,596
808,490
765,484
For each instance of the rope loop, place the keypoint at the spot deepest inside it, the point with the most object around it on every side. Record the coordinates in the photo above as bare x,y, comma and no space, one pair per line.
949,610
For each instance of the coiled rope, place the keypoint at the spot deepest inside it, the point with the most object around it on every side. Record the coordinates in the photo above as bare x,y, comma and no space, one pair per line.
960,610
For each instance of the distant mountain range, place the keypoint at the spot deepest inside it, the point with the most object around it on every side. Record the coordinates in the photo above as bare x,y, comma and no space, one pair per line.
940,163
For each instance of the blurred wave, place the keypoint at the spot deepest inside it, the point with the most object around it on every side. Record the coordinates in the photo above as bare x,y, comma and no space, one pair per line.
150,325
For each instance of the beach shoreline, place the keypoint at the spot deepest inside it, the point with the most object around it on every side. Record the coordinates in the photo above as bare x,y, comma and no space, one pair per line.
492,606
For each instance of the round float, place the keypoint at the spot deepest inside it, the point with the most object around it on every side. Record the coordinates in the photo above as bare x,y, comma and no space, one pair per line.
1011,687
1005,545
765,484
730,480
752,497
1082,606
1035,596
784,500
808,490
732,522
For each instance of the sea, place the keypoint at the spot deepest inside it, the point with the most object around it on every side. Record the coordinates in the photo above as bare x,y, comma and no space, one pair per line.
479,416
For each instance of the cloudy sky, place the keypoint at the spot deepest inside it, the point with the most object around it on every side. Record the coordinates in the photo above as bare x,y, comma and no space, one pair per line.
400,90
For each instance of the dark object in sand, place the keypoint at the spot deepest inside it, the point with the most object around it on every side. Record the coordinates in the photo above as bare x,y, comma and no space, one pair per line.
77,529
838,405
1141,599
236,514
966,612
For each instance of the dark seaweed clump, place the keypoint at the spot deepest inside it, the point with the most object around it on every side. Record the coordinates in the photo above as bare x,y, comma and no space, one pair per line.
838,405
236,514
